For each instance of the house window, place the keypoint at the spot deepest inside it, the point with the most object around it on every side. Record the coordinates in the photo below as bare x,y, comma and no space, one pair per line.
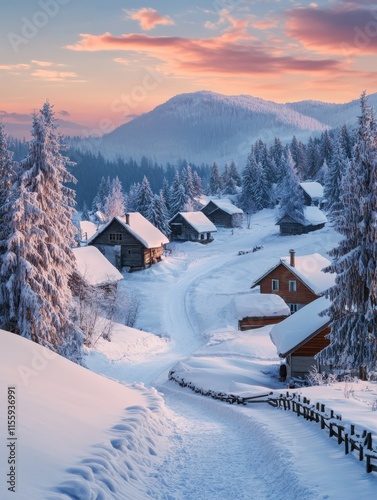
115,236
292,286
201,236
294,307
275,285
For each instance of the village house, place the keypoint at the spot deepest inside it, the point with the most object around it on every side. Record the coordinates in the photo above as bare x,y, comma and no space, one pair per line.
130,241
254,310
223,213
192,226
313,193
298,280
299,338
95,270
314,219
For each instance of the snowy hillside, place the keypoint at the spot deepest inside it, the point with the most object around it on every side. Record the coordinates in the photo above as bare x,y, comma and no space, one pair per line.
69,422
204,126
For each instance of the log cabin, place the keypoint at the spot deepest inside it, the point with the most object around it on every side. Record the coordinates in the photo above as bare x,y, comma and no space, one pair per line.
313,193
254,310
192,226
314,219
299,338
131,242
298,280
223,213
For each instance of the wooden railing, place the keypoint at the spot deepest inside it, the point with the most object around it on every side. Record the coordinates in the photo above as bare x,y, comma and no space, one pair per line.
355,440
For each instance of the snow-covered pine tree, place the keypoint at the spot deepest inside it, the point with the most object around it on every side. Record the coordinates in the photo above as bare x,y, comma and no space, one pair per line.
158,214
347,141
188,182
131,198
166,194
298,152
322,173
102,193
233,173
290,193
178,200
246,198
197,181
7,178
215,184
313,160
144,197
353,312
38,262
337,167
114,205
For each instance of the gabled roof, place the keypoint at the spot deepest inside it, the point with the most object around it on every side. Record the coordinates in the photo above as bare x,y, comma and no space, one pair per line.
296,330
225,205
87,228
198,221
93,266
260,305
313,189
313,216
308,269
140,228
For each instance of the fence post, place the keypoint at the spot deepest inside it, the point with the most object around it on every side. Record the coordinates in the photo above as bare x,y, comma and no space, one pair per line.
346,447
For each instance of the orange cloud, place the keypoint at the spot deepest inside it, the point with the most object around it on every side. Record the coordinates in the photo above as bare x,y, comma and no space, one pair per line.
214,56
14,67
262,25
148,18
55,76
343,29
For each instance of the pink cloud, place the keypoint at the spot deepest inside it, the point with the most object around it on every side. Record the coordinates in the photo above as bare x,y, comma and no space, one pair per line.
339,30
213,56
148,18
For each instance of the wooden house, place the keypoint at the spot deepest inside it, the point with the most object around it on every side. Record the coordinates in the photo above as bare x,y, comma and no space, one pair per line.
192,226
94,269
313,193
314,219
223,213
130,241
300,337
298,280
254,310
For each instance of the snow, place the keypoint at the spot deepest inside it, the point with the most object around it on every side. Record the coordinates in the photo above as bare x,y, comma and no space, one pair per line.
87,228
94,267
226,206
260,305
313,189
314,216
70,421
198,447
199,222
290,333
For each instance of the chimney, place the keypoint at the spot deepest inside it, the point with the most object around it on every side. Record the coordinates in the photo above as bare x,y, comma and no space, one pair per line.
292,253
127,219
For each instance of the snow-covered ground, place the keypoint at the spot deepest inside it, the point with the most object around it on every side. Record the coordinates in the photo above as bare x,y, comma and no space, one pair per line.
199,448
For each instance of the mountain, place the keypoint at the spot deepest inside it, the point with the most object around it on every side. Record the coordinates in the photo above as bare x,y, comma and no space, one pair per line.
204,126
21,128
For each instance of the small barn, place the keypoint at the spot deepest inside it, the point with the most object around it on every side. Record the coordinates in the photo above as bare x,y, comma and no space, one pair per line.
95,269
130,241
223,213
300,337
192,226
313,193
314,219
254,310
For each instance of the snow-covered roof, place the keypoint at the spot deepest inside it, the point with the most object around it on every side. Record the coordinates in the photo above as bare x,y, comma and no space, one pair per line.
313,189
314,216
309,269
301,326
87,228
94,267
226,205
260,305
143,230
199,221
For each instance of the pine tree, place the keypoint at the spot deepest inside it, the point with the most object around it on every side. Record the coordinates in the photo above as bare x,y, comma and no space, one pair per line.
178,200
347,141
353,312
131,200
158,214
197,181
7,178
114,205
215,180
38,262
233,173
246,198
102,193
188,182
85,212
291,194
337,167
144,197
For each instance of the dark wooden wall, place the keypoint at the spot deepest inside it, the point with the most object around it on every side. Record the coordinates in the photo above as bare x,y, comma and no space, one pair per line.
250,323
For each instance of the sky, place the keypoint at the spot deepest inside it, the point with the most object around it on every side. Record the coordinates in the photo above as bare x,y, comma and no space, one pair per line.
101,63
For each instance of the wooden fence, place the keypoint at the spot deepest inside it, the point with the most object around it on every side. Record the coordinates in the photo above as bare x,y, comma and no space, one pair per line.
355,440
